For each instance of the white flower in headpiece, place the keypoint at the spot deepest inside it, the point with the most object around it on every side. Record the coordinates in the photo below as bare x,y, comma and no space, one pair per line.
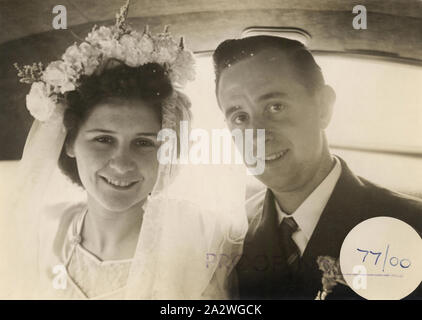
91,60
183,69
138,49
129,45
166,49
105,39
133,57
112,49
57,76
100,35
146,44
38,102
83,57
72,57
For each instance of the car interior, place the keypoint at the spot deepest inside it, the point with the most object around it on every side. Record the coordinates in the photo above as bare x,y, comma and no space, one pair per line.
376,72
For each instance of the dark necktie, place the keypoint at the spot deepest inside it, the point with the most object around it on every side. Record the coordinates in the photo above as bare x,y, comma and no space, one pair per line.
263,271
291,251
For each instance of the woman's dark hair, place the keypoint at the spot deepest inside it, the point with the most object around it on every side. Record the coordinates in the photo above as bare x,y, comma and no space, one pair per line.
149,83
232,51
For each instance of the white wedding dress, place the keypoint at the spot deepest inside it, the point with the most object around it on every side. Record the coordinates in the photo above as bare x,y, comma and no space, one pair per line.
183,251
178,258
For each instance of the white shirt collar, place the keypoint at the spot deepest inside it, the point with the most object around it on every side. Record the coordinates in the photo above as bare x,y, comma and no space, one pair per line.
309,212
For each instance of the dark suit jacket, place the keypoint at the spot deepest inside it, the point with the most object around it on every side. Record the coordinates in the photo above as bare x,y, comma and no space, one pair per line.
353,200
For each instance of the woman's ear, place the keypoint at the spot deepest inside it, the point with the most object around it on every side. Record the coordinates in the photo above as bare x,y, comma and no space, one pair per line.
70,150
327,98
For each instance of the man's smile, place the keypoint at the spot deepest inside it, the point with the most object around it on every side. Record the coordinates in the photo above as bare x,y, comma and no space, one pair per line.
275,155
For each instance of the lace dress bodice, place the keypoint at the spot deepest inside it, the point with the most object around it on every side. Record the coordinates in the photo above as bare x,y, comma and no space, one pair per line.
94,277
172,261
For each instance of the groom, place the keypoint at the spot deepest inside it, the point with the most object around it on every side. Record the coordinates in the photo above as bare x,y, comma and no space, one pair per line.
312,199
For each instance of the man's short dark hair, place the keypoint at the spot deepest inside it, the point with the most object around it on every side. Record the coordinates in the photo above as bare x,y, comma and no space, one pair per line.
232,51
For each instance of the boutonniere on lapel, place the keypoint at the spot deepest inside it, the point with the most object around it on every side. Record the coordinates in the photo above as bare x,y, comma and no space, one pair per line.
331,275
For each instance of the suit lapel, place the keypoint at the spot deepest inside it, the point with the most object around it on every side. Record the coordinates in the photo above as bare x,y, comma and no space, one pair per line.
340,215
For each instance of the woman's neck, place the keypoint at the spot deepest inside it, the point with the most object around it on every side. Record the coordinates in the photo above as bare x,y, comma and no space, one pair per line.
111,235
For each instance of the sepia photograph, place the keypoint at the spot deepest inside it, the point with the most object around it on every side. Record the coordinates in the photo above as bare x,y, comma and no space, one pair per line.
233,150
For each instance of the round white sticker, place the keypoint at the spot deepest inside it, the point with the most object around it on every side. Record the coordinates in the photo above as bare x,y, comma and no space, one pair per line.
381,259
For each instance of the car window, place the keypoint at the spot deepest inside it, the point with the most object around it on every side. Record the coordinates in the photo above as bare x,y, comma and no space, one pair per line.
379,104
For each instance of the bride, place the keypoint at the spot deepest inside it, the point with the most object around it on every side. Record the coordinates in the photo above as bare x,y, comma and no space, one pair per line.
99,112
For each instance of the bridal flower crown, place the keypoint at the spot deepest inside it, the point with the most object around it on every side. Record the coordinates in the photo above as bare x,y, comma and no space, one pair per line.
117,42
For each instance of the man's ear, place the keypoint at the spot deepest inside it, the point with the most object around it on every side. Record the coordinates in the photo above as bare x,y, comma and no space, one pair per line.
326,99
70,150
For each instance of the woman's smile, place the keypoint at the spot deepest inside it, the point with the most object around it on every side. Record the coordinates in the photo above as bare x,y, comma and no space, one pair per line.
119,183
